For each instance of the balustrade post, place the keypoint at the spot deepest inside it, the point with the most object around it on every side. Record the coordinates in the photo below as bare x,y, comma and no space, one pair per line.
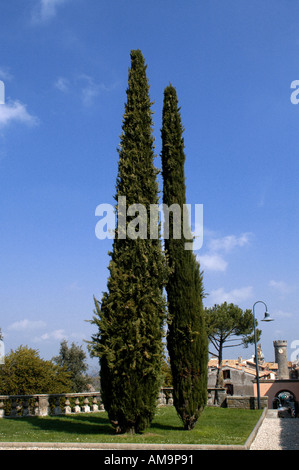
67,409
94,406
57,409
14,411
43,405
102,408
25,407
77,408
36,408
86,407
170,399
2,411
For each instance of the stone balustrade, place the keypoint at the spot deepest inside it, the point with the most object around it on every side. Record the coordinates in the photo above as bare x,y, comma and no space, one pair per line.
165,397
14,406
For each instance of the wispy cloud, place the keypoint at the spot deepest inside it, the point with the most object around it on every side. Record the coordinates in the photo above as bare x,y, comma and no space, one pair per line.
89,90
39,331
62,84
28,325
15,111
212,262
281,287
74,287
56,335
282,314
229,242
83,86
5,74
235,296
45,10
218,248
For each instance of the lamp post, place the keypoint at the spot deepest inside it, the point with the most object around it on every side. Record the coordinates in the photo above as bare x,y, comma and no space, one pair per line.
266,318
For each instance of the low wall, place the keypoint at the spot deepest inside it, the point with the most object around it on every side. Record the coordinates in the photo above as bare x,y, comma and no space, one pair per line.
14,406
245,402
49,404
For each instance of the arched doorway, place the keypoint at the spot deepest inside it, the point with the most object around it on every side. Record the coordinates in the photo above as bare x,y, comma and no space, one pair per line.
285,400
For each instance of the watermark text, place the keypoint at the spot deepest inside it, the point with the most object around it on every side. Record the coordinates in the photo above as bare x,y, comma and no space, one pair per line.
295,354
2,92
136,221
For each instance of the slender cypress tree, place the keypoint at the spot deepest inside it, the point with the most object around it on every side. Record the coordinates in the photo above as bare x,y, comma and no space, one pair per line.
186,339
131,315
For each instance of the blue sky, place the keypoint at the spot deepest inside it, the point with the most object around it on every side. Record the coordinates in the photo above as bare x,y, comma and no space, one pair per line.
65,65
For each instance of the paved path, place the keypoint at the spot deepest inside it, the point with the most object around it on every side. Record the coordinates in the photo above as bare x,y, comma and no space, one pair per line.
277,434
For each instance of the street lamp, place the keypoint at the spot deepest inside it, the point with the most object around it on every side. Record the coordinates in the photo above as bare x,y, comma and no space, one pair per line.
266,318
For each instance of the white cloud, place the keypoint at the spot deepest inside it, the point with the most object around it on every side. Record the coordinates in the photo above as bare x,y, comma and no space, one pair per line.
84,87
56,335
46,10
90,90
229,242
235,296
281,287
26,324
62,84
282,314
5,74
73,287
212,262
14,111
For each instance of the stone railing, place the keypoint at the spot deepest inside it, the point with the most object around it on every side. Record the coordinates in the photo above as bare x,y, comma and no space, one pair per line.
49,404
246,402
14,406
165,396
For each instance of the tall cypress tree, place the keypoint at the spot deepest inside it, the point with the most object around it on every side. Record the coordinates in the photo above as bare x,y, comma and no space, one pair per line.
186,339
131,314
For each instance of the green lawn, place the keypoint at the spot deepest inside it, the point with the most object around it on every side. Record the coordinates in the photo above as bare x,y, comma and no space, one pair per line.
215,426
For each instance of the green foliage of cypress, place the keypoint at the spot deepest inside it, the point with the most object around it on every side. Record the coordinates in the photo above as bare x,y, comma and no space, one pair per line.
131,314
186,339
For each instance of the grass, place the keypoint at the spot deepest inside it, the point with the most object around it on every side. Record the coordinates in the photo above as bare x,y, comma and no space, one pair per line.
215,426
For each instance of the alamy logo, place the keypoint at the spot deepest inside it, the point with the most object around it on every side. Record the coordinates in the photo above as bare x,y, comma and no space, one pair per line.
137,226
2,92
2,351
295,354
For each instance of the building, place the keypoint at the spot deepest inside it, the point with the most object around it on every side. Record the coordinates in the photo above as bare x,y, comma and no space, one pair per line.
238,375
277,379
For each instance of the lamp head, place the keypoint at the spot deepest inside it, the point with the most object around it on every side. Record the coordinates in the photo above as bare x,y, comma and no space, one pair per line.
267,317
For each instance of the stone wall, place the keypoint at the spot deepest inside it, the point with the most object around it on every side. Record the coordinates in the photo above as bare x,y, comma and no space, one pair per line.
245,402
90,402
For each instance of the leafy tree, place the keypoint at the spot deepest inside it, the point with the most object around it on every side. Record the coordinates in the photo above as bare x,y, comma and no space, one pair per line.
131,313
229,326
186,339
73,359
166,371
25,373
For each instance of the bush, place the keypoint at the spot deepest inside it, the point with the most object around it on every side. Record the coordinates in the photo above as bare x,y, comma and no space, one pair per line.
25,373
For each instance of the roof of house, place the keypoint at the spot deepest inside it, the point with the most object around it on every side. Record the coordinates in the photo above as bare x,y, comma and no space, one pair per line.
241,366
